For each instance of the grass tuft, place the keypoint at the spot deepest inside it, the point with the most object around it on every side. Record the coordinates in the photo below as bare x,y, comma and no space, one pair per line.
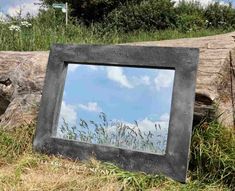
16,142
213,154
212,166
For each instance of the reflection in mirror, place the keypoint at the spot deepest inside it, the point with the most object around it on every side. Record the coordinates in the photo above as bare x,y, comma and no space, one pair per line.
124,107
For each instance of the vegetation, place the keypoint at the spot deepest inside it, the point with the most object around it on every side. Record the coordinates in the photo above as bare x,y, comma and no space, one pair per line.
116,133
131,15
112,22
212,166
213,154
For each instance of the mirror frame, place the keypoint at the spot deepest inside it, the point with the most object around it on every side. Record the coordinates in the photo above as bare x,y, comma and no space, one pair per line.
183,60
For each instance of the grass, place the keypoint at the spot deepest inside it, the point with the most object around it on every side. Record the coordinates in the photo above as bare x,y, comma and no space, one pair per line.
213,154
116,133
212,166
47,29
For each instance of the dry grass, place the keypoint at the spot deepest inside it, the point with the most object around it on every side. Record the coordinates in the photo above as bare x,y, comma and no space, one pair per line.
23,170
33,173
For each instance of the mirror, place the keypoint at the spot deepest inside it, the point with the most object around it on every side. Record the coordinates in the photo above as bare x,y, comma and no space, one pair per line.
128,105
125,107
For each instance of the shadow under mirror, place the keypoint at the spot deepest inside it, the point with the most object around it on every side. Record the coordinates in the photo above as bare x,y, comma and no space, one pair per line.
123,107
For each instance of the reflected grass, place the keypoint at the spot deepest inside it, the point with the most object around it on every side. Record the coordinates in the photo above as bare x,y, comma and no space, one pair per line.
115,133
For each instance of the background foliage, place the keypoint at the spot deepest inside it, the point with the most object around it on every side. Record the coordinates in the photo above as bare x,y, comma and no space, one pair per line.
113,21
131,15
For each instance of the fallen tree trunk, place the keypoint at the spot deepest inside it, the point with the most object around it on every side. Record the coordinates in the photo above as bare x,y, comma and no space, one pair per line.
22,77
215,91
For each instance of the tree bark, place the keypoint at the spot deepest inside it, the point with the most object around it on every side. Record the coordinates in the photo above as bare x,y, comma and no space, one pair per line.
22,77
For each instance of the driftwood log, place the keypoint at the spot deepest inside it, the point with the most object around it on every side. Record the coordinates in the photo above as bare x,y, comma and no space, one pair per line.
215,91
22,77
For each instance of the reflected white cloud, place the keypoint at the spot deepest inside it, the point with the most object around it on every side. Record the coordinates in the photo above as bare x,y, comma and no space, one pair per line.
140,80
72,67
148,125
93,67
165,117
90,106
164,79
2,17
68,113
116,74
154,132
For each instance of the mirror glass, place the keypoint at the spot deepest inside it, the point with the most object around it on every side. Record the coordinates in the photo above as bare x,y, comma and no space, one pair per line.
125,107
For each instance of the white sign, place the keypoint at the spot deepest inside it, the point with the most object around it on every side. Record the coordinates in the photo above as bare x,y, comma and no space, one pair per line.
63,7
59,5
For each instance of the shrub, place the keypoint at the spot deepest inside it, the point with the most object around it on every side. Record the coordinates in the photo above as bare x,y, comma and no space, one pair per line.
132,15
147,15
220,16
189,7
187,23
50,18
189,16
89,11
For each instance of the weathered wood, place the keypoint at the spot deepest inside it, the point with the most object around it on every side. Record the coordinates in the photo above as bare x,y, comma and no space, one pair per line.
22,77
21,82
215,79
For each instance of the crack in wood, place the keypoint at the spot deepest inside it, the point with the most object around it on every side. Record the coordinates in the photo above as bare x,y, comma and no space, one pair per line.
232,79
6,82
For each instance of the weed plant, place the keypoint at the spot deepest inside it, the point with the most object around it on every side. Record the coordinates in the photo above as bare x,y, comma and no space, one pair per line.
117,134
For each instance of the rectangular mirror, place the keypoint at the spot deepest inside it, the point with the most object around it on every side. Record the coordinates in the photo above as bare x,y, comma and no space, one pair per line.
129,105
123,107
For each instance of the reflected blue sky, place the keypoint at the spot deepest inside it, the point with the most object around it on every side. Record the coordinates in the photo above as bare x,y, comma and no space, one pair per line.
124,94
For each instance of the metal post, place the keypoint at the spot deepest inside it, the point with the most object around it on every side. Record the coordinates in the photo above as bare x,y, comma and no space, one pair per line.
66,7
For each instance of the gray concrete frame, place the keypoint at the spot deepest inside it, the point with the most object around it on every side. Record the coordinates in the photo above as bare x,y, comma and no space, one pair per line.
183,60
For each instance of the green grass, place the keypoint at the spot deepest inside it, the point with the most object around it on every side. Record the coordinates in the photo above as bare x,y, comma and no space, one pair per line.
15,143
212,166
43,33
213,154
48,27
